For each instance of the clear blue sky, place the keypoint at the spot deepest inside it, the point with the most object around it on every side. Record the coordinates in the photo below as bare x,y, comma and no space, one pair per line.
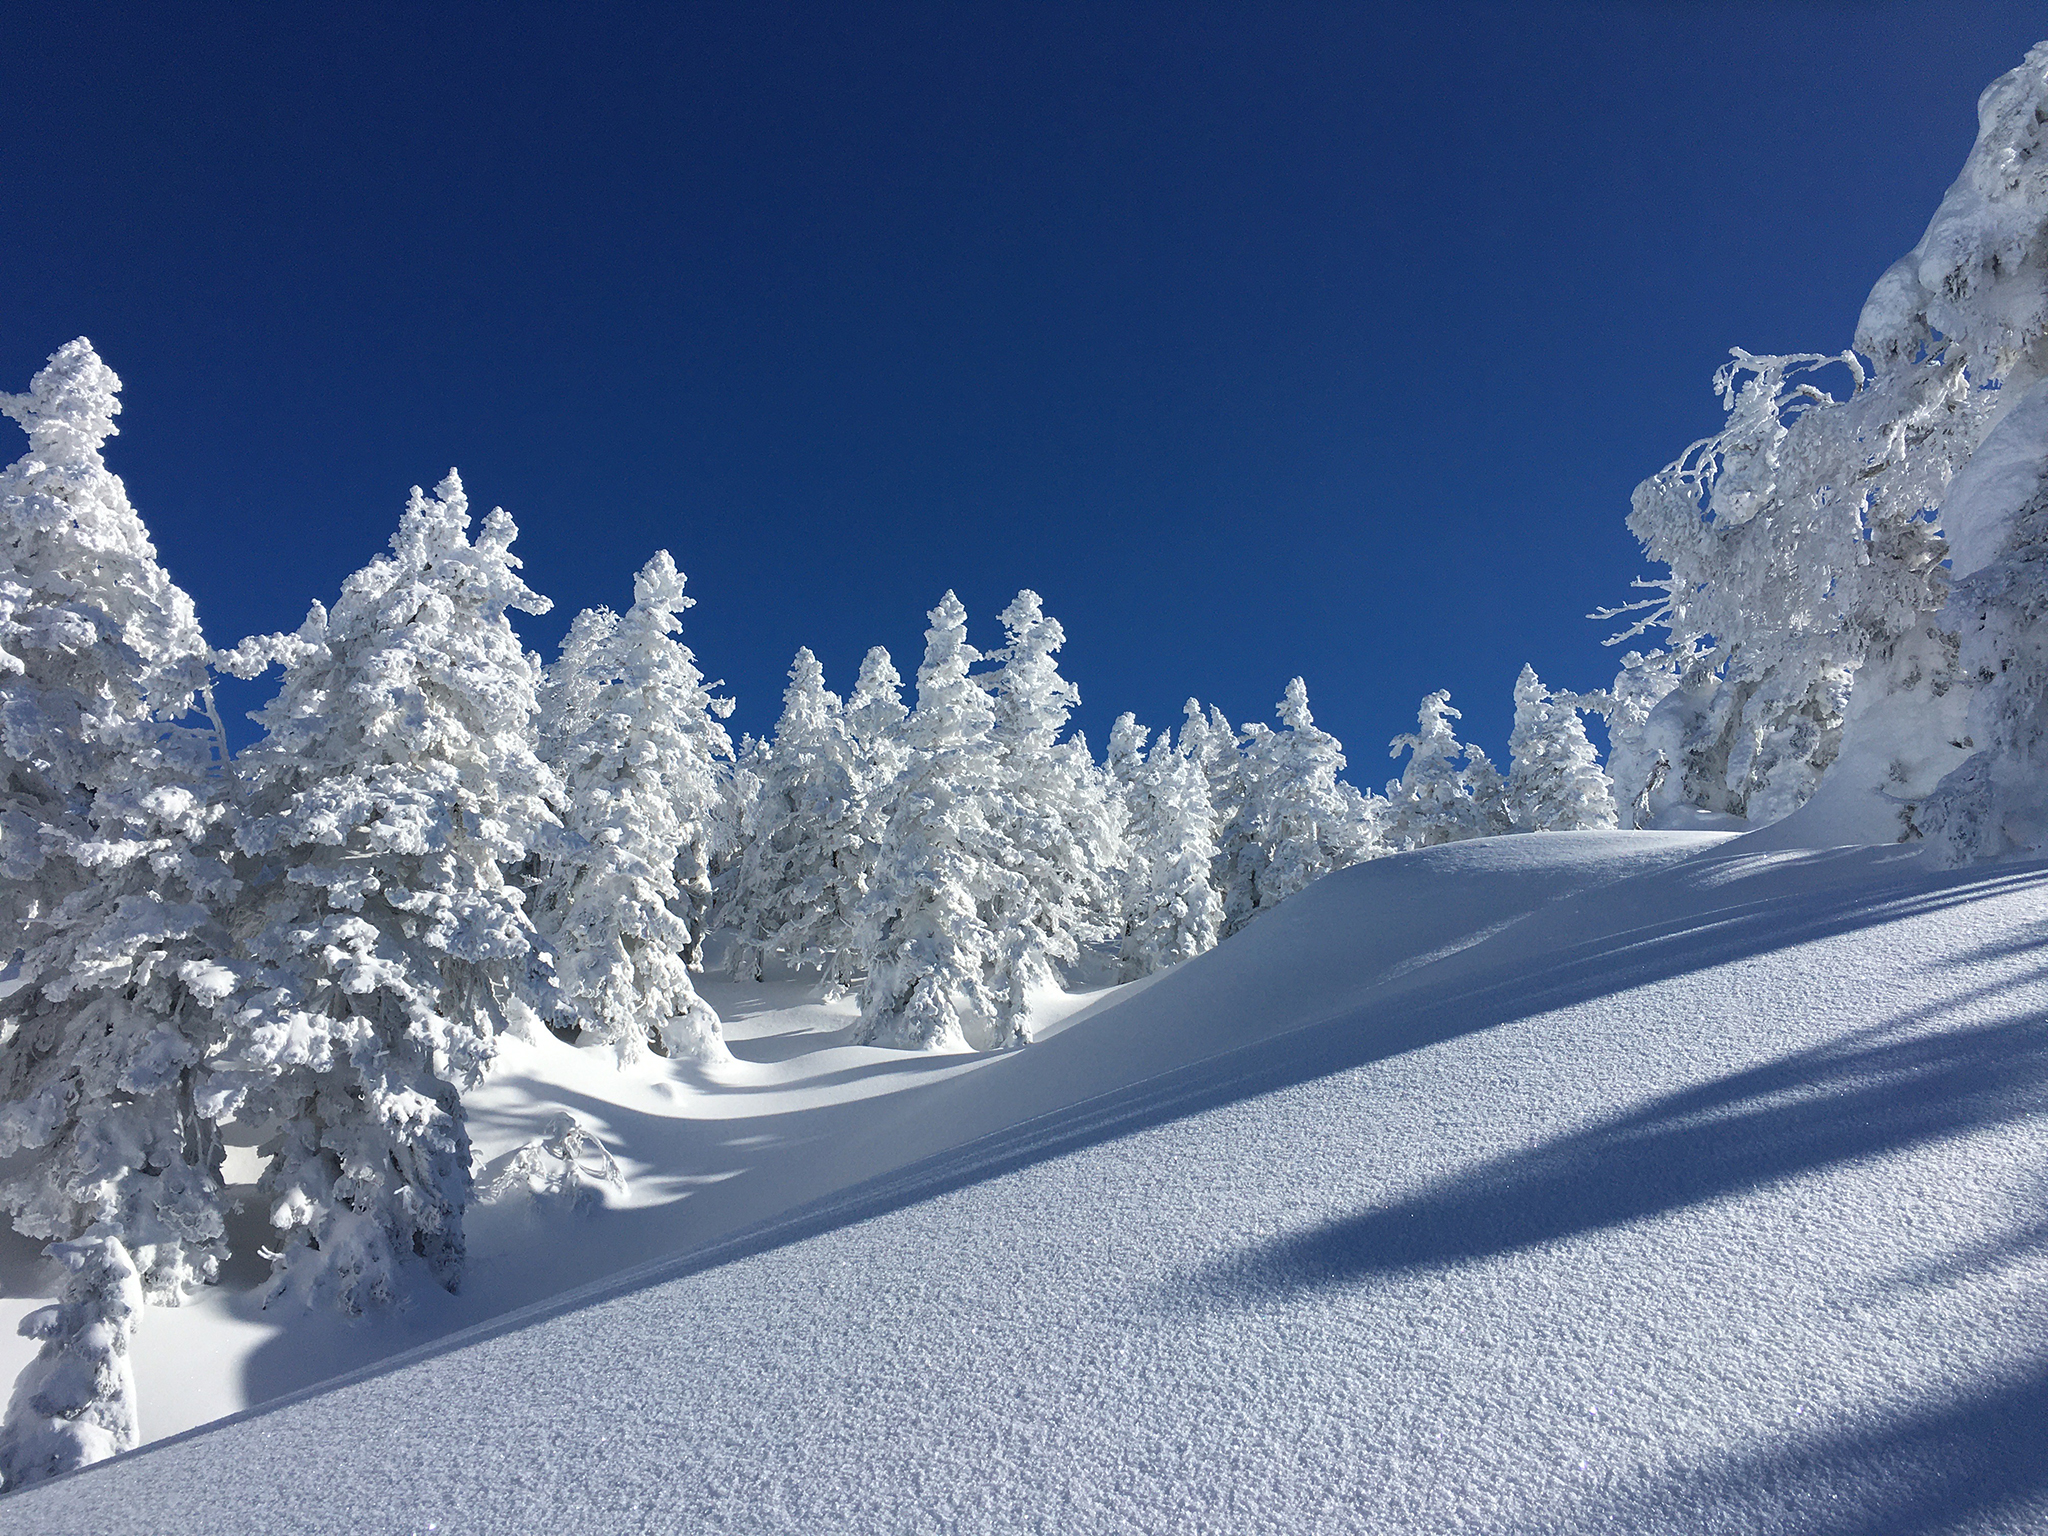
1259,339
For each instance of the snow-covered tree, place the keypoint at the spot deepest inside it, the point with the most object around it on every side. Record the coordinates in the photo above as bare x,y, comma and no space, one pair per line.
1945,735
1170,911
1447,790
799,880
1804,542
1124,760
395,785
1059,835
1554,782
633,733
1309,821
112,882
1224,759
74,1404
1995,802
1211,744
1639,757
875,716
936,970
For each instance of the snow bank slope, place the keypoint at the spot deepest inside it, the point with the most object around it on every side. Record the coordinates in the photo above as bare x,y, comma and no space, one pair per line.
1711,1199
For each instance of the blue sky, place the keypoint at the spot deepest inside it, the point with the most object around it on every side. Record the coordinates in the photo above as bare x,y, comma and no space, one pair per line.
1259,340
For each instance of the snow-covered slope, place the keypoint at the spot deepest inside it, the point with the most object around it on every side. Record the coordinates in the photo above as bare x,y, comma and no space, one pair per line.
1568,1182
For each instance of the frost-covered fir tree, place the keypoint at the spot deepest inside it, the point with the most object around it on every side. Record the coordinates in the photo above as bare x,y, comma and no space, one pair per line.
1554,781
1060,836
874,719
1307,820
797,885
633,734
1214,746
112,879
936,970
395,785
875,716
1447,790
74,1404
1211,744
1638,757
1995,802
636,665
1124,760
1804,542
1170,911
1242,852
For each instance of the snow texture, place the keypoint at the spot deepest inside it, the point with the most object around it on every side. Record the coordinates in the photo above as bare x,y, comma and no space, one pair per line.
1583,1183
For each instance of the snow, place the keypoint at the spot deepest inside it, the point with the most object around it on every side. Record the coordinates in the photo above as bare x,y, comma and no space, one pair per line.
1569,1182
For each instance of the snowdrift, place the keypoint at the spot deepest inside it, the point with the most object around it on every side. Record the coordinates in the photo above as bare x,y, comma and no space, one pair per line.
1580,1182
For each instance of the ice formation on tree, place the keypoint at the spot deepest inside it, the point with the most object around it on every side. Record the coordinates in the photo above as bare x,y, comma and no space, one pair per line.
1447,790
394,786
1554,778
74,1404
565,1167
628,725
1058,835
802,870
1302,820
1807,598
111,868
935,967
1170,910
113,882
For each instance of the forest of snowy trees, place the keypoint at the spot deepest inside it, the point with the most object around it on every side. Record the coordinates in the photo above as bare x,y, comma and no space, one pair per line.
439,840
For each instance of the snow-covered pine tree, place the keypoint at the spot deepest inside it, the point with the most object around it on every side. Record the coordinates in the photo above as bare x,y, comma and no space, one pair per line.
1242,852
395,785
1554,781
1058,834
633,734
1962,701
1307,820
74,1404
875,716
799,881
1124,760
1447,791
112,879
1212,745
739,787
934,964
1801,541
1170,911
1489,792
874,719
1995,802
1228,768
1638,757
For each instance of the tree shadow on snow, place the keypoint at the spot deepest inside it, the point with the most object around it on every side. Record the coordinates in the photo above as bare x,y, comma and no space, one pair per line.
1978,1461
1885,1088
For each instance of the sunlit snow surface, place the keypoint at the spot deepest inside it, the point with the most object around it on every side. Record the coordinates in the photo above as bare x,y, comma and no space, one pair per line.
1566,1182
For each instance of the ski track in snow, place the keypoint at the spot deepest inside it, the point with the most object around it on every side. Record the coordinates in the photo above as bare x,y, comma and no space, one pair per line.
1574,1182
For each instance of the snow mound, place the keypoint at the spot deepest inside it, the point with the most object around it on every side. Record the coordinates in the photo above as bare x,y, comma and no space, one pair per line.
1574,1182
